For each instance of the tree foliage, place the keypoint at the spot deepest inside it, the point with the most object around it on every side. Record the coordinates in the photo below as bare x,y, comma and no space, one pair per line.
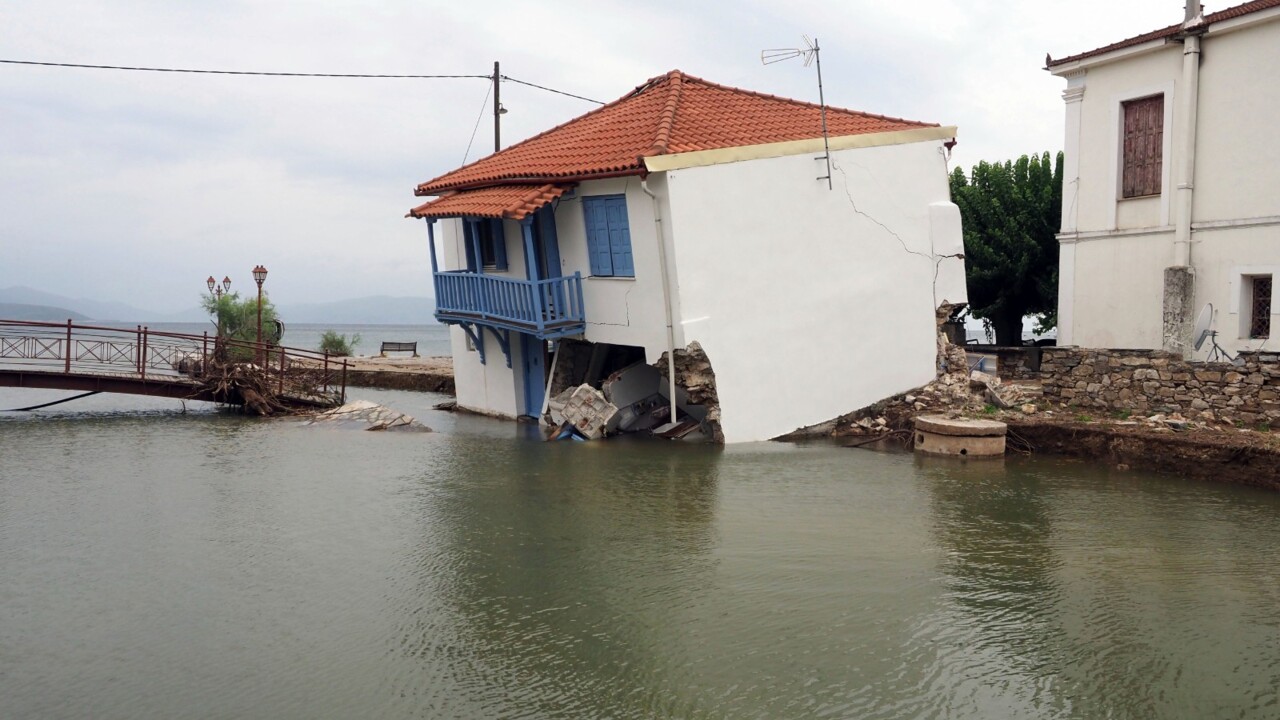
338,344
237,319
1011,213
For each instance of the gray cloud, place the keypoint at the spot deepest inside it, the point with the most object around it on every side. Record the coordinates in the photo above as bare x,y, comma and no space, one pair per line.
136,186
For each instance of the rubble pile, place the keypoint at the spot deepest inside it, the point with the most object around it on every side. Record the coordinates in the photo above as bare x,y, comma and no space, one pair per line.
636,399
366,415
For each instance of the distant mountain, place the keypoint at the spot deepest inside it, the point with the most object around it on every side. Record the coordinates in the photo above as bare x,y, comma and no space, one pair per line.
37,313
88,309
373,310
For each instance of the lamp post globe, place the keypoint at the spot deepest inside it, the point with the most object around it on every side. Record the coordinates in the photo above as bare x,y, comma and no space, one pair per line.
211,283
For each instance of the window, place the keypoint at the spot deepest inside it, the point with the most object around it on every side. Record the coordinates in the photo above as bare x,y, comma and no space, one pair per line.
1143,146
608,236
1260,307
493,243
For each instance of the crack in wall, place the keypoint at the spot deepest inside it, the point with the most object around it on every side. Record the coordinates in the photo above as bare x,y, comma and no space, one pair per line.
626,304
933,258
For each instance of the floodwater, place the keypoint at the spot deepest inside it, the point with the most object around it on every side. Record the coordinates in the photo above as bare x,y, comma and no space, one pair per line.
155,564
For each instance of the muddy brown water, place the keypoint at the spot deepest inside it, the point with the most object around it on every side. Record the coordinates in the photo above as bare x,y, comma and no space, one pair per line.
155,564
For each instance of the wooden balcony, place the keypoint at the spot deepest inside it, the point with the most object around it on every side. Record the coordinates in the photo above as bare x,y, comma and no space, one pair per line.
548,308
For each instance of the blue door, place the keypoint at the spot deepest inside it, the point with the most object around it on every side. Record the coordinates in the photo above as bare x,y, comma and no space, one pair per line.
532,369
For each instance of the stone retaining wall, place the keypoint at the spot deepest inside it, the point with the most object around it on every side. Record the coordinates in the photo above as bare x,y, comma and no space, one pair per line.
1152,381
438,382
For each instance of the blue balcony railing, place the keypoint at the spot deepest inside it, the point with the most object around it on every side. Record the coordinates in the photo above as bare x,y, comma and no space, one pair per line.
546,308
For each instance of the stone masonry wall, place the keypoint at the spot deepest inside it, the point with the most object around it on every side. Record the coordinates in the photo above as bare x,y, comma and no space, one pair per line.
1152,381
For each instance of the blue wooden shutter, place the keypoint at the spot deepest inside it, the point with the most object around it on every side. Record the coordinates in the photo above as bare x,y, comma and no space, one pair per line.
467,241
619,237
499,244
597,236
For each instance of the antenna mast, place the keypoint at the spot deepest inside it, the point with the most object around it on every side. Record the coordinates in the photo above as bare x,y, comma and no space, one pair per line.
812,53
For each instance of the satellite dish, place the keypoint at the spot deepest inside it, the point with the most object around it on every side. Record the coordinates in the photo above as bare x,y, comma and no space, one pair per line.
1201,331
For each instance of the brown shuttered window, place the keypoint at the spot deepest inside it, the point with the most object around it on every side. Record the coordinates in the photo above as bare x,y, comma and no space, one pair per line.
1260,320
1143,141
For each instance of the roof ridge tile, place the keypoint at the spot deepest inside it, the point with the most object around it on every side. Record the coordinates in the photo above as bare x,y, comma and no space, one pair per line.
668,118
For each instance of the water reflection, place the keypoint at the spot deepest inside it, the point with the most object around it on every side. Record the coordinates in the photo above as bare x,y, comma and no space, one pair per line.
1075,599
219,566
569,567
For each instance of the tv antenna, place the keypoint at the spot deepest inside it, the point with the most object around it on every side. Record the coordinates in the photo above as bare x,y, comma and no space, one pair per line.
1203,332
812,55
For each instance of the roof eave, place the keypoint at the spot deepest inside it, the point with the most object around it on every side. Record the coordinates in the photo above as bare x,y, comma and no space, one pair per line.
1208,26
1065,67
719,156
423,191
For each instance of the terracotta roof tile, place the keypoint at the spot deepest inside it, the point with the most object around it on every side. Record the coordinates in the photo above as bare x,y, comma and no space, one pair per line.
1168,32
671,113
513,202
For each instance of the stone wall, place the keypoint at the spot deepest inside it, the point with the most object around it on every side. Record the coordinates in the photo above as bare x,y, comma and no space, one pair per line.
1152,381
1013,362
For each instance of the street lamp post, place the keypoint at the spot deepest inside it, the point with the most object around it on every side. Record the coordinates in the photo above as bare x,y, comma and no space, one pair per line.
259,276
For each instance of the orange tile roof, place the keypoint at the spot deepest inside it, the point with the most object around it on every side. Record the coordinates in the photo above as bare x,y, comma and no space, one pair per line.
671,113
513,202
1168,32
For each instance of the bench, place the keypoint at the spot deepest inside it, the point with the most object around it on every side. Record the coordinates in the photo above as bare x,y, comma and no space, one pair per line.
399,347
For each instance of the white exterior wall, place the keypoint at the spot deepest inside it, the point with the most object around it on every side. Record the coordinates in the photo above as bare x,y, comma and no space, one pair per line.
620,311
812,302
1114,251
490,388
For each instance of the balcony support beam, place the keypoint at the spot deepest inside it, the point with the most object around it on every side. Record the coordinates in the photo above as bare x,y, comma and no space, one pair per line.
431,241
476,333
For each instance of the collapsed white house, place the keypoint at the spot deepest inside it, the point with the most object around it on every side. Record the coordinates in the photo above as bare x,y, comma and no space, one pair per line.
699,218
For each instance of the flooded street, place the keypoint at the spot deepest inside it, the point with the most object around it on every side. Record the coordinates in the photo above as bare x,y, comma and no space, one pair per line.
163,565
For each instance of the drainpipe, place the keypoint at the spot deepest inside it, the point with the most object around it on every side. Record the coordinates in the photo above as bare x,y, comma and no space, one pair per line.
666,295
1187,152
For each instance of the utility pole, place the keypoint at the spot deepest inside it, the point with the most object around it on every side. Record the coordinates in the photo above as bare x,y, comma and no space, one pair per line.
497,111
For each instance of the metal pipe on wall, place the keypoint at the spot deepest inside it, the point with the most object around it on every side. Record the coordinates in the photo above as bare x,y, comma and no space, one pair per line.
666,295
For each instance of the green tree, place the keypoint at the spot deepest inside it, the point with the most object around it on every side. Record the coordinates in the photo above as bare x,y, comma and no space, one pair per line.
334,343
237,319
1011,213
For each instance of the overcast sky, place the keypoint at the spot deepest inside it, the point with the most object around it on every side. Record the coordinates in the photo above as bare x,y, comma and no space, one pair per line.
136,186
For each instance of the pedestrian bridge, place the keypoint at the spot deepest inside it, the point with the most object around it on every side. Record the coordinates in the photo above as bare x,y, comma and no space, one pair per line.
141,361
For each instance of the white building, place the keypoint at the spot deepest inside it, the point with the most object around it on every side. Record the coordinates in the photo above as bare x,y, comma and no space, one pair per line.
688,211
1171,191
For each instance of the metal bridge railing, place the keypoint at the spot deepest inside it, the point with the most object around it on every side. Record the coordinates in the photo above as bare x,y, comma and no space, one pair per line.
142,353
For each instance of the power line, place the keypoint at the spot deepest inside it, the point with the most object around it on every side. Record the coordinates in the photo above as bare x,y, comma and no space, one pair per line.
247,72
558,92
476,129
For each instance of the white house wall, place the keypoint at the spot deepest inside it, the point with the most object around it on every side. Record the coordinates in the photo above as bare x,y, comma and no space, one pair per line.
1114,251
813,302
489,388
620,311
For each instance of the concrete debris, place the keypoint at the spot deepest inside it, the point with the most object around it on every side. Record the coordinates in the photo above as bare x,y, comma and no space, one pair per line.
368,416
590,412
1030,409
687,429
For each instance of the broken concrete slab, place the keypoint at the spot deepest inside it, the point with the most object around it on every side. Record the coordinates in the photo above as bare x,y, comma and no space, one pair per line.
366,415
632,384
590,412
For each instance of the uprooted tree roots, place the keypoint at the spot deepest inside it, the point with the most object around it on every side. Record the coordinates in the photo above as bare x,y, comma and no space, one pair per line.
256,389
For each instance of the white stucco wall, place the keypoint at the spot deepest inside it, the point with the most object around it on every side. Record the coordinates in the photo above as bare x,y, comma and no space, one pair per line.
1114,251
490,388
813,302
620,311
